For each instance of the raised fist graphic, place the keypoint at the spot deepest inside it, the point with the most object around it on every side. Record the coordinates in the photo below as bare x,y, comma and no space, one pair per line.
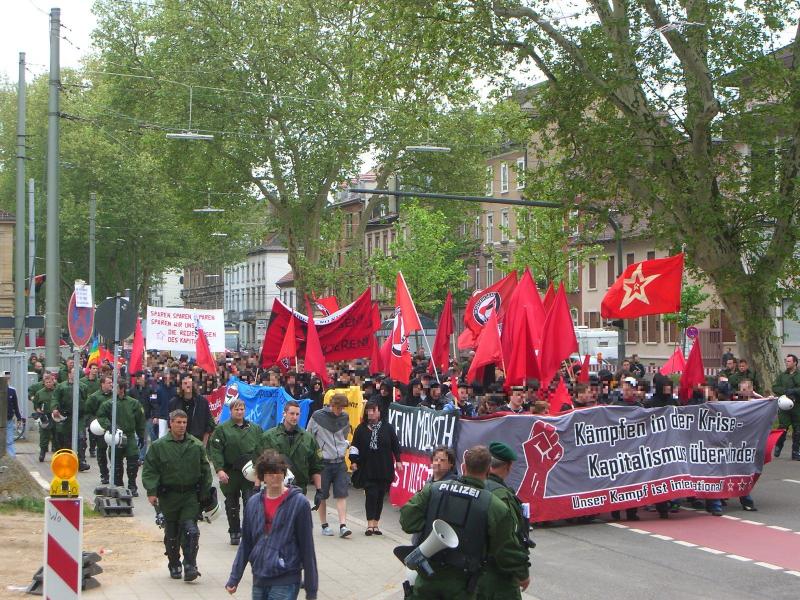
542,451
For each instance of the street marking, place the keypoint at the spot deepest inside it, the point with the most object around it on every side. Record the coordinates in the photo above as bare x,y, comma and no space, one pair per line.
752,522
791,481
617,525
795,573
638,530
666,538
769,566
737,557
711,550
731,518
778,528
39,479
687,544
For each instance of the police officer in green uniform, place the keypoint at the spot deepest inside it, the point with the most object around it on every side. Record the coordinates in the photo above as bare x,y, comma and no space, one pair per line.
92,383
485,528
177,478
62,399
788,383
41,406
494,585
233,445
299,447
93,404
130,419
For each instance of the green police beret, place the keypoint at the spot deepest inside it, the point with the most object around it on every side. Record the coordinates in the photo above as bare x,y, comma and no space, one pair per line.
502,451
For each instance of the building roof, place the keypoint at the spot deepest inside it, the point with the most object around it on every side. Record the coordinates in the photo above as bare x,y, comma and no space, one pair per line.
7,217
286,281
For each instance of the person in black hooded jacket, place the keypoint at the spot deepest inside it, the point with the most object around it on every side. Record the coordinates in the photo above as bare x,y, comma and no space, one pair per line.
662,392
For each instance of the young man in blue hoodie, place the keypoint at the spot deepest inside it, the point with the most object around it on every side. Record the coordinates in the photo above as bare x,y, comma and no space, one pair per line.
282,515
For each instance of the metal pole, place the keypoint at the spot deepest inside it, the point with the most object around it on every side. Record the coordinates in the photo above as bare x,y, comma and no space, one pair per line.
53,309
19,226
621,333
114,393
76,385
92,240
31,261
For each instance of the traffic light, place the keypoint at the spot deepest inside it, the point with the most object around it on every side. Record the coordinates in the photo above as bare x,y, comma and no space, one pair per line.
64,466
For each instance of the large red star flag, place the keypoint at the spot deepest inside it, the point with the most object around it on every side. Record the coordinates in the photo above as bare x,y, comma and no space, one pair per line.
650,287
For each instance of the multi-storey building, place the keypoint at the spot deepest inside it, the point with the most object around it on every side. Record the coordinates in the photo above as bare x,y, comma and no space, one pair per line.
202,288
167,290
250,287
7,222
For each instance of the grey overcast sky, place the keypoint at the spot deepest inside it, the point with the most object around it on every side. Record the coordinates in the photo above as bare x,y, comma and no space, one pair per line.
25,27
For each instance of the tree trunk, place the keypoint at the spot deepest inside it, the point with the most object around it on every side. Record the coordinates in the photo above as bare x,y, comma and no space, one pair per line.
753,318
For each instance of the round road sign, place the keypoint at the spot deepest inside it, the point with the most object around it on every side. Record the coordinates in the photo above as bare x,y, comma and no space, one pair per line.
80,322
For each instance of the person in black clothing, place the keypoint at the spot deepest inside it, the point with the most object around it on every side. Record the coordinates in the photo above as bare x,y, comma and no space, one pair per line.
374,456
316,393
662,392
383,398
141,392
293,387
414,398
200,421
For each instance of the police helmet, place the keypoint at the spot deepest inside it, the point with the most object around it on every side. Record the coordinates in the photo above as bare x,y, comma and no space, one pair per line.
785,403
249,471
96,428
210,506
120,439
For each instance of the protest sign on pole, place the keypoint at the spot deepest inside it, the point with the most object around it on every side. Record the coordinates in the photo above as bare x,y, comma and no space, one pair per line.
173,329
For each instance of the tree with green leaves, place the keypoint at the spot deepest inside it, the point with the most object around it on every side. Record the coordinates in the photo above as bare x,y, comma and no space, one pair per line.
682,114
430,253
293,93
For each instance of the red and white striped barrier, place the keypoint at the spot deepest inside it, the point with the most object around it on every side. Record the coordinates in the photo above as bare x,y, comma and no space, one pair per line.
63,554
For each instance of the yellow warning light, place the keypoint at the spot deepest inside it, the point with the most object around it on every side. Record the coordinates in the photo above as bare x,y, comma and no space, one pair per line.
64,466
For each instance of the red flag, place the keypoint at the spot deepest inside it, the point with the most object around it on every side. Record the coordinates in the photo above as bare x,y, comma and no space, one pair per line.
772,440
376,317
137,352
675,364
489,350
519,348
482,304
583,376
327,305
466,340
649,287
385,353
692,373
314,360
406,305
205,360
440,353
559,398
549,296
558,337
375,363
289,346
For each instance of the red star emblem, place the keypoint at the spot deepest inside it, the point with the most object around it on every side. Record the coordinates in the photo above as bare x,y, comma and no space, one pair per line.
635,287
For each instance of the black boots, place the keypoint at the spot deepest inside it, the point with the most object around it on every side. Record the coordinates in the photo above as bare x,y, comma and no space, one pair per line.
133,470
236,537
172,549
191,544
232,513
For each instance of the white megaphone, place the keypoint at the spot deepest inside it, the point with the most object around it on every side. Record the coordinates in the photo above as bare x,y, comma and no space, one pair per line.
442,536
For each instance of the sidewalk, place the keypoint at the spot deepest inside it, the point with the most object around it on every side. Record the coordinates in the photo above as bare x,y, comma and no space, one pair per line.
357,568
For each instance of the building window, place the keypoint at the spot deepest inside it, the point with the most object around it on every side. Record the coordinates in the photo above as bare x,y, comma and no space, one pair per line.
489,273
489,181
632,330
385,242
592,273
503,178
629,259
504,229
573,285
670,332
478,227
651,326
651,255
520,173
574,314
489,228
477,277
612,277
348,225
369,246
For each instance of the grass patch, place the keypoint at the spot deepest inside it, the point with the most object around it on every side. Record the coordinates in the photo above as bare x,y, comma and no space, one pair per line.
36,506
